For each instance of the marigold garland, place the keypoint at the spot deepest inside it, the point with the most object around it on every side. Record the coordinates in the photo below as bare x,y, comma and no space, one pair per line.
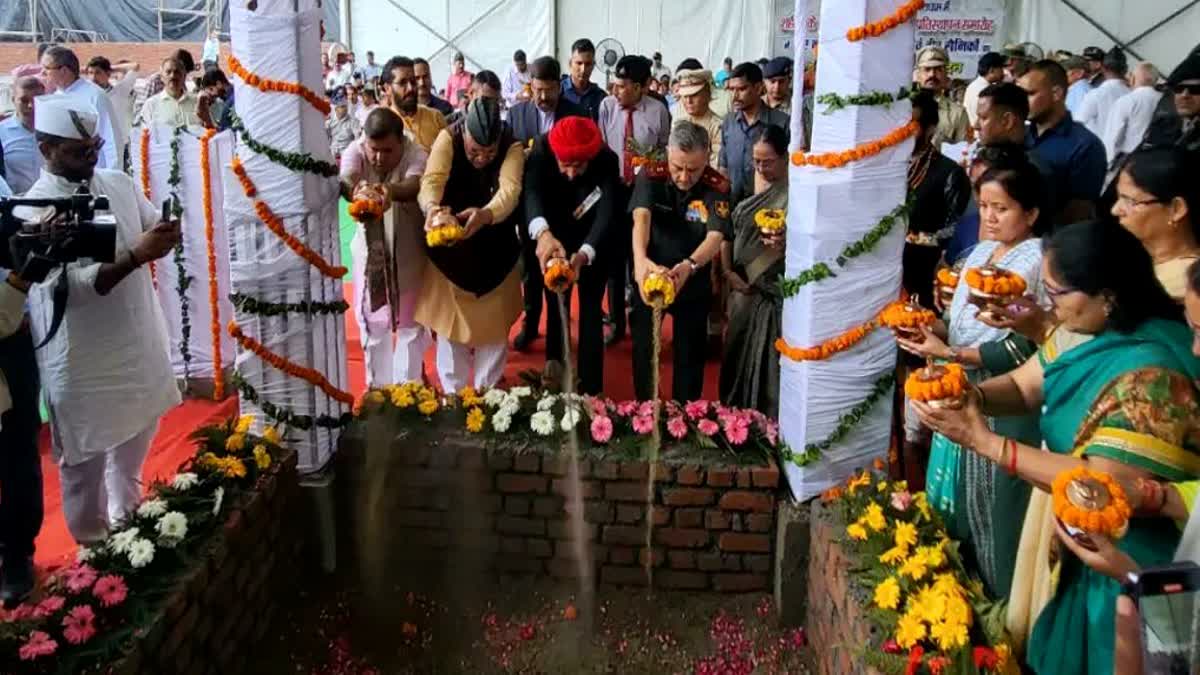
559,275
1111,520
268,85
829,347
876,28
275,224
833,160
214,323
145,153
309,375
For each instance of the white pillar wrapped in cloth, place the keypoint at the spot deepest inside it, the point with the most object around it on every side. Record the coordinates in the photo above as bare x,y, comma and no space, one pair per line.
835,413
156,152
281,208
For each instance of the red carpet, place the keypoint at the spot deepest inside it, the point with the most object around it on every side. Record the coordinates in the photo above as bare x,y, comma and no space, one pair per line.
171,446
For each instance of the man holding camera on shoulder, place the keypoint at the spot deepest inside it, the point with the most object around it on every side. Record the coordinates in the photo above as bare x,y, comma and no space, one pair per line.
105,366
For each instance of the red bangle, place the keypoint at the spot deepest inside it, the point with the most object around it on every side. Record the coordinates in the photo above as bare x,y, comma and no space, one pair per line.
1012,450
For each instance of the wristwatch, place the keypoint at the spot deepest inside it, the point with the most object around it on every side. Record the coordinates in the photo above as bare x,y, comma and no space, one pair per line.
693,263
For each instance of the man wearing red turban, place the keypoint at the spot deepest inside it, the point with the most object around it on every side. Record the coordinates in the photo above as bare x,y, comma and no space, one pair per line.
571,181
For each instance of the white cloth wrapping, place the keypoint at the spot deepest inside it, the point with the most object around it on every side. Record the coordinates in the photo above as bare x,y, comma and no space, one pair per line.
827,210
277,43
195,244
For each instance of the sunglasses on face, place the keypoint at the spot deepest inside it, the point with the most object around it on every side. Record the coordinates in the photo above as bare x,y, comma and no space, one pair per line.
1189,89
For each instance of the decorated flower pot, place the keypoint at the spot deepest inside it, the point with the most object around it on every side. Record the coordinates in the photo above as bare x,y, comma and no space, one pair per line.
770,221
990,285
941,386
446,230
907,319
659,290
559,275
1090,502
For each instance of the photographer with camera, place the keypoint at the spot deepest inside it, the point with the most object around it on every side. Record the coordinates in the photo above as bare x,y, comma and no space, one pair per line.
105,365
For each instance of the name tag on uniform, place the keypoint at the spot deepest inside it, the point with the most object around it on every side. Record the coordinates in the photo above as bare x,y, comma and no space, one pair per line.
587,203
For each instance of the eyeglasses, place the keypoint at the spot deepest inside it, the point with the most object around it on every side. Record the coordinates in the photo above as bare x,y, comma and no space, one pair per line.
1056,293
1125,201
761,164
1189,89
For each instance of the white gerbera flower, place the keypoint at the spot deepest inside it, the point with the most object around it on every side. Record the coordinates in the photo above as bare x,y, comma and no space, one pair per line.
141,552
510,405
542,423
546,402
493,397
501,421
119,542
521,392
173,526
218,498
152,508
185,481
84,554
570,418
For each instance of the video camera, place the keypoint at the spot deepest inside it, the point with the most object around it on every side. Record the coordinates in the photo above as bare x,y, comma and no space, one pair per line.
64,229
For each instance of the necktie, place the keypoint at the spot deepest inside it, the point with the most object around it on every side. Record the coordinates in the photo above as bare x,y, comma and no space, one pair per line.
627,156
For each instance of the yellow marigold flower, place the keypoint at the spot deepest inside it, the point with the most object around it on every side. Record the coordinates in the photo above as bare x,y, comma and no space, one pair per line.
909,630
947,584
375,397
244,423
874,517
208,459
881,486
916,567
922,505
857,531
958,611
235,443
949,636
894,555
233,467
426,394
856,482
271,434
262,458
403,399
928,604
427,407
887,593
475,420
906,534
933,555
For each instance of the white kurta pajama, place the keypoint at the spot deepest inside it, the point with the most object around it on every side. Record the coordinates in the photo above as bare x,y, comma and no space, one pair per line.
106,374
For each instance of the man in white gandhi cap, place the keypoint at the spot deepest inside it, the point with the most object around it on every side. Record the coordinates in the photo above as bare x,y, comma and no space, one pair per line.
106,371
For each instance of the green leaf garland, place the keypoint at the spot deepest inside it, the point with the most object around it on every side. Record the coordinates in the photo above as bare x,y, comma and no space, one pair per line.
296,161
183,281
834,102
846,423
286,416
251,305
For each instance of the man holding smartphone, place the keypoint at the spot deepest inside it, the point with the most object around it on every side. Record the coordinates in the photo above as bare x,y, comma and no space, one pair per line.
105,367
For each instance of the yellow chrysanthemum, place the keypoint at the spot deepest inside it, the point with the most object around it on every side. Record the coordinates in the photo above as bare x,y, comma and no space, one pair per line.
887,593
916,567
949,636
874,517
469,397
262,458
909,630
922,505
958,610
271,434
244,423
857,531
235,443
894,555
881,486
233,467
475,420
906,535
403,399
426,394
208,459
933,555
928,604
947,584
427,407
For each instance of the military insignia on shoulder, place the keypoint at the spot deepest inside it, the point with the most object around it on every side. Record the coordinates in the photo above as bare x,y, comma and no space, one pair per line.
697,212
722,207
714,180
656,170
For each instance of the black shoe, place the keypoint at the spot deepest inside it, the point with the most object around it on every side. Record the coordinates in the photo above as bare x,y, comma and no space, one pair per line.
18,581
525,338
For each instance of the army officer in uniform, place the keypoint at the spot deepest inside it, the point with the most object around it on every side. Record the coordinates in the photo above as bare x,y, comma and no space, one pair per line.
680,217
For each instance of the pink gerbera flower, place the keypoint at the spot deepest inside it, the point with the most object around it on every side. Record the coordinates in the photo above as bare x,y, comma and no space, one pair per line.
677,427
79,578
602,429
597,406
39,644
645,409
696,409
79,624
643,424
110,590
737,432
708,427
626,408
48,606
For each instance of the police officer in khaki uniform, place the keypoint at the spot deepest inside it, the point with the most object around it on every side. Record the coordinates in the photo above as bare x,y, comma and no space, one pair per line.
680,217
953,123
695,97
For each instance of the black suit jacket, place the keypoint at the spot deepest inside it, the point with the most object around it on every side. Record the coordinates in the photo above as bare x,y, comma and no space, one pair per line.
548,194
523,118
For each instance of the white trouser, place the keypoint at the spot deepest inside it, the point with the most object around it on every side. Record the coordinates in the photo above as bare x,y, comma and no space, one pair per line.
454,363
98,492
406,363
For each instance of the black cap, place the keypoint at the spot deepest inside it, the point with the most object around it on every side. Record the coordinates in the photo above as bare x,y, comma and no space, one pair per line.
483,120
1093,54
780,66
634,68
519,56
1186,71
990,61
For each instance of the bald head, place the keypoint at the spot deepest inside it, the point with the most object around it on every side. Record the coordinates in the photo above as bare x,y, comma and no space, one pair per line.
24,91
1145,75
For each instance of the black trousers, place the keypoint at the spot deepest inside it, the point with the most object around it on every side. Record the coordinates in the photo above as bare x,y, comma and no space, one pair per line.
689,344
533,286
591,284
620,267
20,465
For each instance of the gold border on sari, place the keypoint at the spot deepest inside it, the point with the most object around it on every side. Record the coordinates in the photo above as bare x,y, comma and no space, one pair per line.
1166,459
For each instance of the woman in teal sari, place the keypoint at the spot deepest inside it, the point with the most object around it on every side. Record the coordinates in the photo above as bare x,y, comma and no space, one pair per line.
1120,397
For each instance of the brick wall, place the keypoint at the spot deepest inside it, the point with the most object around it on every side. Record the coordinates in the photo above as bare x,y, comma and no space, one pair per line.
229,599
835,621
447,502
148,55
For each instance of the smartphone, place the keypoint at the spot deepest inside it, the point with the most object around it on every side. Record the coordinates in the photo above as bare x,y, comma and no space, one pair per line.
1166,598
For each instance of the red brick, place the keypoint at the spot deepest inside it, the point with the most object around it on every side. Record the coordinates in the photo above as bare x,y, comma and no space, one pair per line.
661,515
765,476
621,555
527,462
630,513
688,496
547,507
561,466
681,560
745,543
759,522
652,557
562,568
625,492
757,563
606,470
743,479
498,461
721,476
663,473
689,518
678,580
739,583
561,529
716,562
589,489
472,458
634,471
599,552
519,563
516,506
538,548
518,484
527,526
623,535
689,475
738,500
623,576
716,520
681,538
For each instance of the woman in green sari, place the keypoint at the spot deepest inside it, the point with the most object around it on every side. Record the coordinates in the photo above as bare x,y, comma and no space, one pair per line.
754,264
1121,399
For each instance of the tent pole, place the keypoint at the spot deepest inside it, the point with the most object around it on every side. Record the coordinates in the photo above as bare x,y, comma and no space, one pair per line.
1095,24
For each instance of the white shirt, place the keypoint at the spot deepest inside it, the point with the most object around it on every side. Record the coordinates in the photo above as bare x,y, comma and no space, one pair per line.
514,83
107,373
105,125
166,110
1128,120
340,76
22,159
120,93
1096,108
971,98
370,71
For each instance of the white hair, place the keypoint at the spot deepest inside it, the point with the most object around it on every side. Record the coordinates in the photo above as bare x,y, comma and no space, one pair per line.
689,137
